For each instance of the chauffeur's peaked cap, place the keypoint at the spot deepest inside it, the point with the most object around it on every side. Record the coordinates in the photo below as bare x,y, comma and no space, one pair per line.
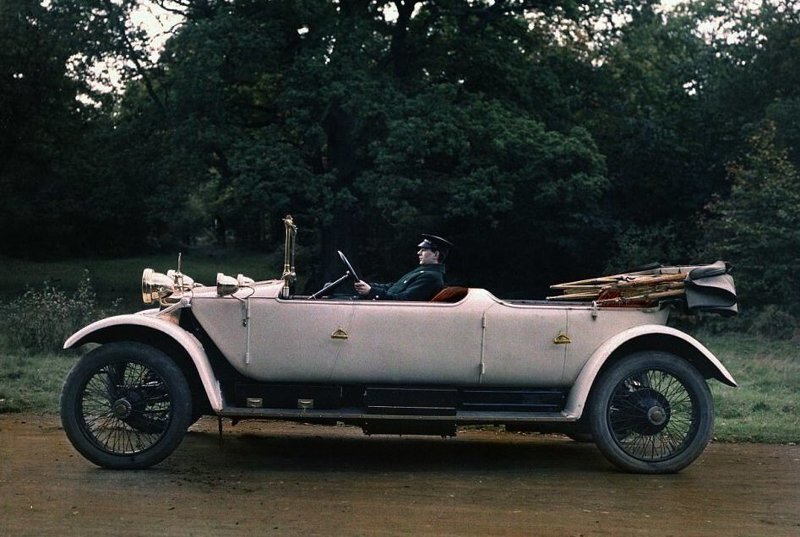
432,242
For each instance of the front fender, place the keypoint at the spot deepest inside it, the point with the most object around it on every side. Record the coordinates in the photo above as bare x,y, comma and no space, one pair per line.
644,337
106,330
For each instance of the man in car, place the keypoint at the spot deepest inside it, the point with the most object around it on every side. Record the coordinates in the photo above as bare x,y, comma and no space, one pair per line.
421,283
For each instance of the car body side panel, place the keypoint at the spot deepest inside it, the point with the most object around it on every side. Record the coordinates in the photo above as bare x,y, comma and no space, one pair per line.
589,328
225,321
478,341
349,341
277,340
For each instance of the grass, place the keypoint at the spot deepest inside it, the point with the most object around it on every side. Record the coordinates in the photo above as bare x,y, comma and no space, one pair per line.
764,408
32,383
766,405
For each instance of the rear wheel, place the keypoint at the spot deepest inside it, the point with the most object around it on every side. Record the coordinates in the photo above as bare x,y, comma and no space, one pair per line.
126,405
652,412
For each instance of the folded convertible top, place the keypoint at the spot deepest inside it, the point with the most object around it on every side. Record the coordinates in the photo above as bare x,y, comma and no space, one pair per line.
701,288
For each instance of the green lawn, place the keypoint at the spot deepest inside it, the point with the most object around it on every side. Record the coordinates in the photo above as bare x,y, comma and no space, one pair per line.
32,383
766,405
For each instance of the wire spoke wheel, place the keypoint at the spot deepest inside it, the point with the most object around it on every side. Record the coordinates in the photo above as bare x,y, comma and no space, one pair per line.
651,412
125,408
126,405
651,420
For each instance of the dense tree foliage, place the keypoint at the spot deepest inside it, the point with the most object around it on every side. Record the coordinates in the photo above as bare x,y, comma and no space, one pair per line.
759,224
548,139
37,121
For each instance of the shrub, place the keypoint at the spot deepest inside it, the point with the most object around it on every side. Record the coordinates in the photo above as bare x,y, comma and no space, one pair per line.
773,322
42,318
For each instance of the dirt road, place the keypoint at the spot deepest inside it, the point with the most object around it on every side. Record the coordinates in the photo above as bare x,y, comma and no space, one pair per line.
286,479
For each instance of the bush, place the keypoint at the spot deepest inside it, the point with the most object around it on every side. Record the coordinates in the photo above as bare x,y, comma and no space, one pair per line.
773,322
42,318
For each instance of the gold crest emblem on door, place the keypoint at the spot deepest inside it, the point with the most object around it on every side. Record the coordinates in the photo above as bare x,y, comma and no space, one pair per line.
562,339
339,334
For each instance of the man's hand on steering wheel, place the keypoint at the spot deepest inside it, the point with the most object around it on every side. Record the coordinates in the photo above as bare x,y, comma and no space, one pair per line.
362,288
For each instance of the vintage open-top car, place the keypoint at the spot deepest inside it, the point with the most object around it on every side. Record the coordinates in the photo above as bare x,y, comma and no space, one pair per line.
597,361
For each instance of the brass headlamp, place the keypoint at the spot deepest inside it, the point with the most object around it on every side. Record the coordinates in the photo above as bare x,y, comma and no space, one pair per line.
163,288
227,285
156,287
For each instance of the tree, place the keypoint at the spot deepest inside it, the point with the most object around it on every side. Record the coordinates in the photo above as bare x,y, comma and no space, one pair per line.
644,105
561,136
63,190
40,121
370,129
757,228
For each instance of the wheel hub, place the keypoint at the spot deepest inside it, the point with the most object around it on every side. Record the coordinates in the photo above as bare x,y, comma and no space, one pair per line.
652,410
121,408
657,415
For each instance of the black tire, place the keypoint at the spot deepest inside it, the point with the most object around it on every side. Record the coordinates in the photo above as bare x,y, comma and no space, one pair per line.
651,413
126,405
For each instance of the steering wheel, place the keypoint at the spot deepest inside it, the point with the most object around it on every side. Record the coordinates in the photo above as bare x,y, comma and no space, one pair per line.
351,273
348,265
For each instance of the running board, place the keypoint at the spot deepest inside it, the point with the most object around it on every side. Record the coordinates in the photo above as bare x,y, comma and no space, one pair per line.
354,414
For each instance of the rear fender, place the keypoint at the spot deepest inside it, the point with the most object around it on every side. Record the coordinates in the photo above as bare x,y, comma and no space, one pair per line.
639,338
155,330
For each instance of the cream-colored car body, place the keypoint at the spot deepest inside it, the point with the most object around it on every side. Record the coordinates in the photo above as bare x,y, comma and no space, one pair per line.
480,341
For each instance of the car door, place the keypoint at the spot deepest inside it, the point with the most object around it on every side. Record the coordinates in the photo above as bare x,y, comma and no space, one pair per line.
297,340
524,345
413,343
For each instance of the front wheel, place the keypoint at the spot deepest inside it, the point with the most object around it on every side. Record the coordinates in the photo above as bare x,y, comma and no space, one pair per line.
651,412
126,405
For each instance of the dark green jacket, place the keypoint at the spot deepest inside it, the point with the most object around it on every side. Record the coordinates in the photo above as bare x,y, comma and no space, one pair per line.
422,283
